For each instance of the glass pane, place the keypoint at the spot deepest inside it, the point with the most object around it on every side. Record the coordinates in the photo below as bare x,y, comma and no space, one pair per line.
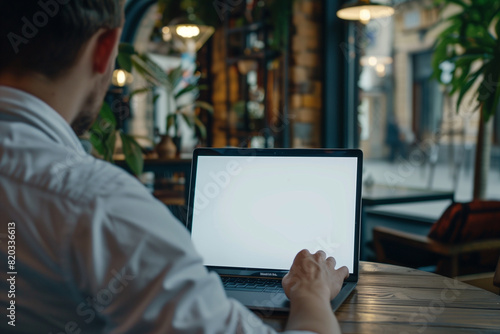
410,129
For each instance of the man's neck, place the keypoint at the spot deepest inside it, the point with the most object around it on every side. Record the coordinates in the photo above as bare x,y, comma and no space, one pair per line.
59,94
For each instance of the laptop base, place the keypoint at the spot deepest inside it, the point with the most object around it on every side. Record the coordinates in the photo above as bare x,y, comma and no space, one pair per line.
278,302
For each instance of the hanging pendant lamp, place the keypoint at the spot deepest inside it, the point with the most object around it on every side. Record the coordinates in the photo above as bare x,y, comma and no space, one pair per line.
188,34
364,11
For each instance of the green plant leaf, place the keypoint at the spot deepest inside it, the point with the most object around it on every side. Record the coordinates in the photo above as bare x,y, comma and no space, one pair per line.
171,120
201,127
145,71
175,76
97,140
141,91
109,147
497,28
204,105
158,71
460,75
107,115
439,57
468,39
490,90
494,107
466,87
125,62
126,48
101,130
151,71
125,51
187,89
133,154
199,104
188,120
458,2
157,77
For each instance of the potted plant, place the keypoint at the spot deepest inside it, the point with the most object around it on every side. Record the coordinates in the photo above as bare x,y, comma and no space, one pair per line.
176,88
179,111
470,43
103,134
104,131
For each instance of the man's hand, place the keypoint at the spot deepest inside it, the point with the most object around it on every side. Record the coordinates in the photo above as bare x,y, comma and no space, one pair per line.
314,273
311,284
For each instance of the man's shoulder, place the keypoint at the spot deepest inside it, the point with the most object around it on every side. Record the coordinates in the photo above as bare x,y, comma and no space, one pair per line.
84,177
67,174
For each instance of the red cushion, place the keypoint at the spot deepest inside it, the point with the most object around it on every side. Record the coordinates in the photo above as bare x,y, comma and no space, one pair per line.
462,222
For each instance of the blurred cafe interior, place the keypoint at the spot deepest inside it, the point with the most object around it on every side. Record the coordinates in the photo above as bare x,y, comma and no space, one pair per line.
387,79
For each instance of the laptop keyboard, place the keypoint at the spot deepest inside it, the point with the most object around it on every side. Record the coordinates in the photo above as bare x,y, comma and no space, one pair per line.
253,284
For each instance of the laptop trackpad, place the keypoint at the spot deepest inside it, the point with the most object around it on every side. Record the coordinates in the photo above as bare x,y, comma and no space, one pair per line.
276,301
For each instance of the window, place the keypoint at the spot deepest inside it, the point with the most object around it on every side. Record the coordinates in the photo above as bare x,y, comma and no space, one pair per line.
401,110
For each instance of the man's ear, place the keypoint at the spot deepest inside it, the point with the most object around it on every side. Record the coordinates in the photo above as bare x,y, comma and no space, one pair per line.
105,49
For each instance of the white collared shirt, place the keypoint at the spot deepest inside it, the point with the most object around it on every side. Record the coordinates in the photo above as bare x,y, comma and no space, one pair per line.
94,251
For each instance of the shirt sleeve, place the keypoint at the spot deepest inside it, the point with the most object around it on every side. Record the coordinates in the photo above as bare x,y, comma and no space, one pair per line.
137,271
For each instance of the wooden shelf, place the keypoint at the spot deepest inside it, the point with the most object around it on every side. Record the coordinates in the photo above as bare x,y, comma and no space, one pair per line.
241,45
253,56
254,27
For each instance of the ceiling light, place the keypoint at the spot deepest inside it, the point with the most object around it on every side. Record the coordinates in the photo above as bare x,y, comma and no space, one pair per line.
188,35
187,31
364,11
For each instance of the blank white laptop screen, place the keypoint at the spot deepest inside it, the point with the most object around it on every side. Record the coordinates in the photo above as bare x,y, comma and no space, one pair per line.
258,212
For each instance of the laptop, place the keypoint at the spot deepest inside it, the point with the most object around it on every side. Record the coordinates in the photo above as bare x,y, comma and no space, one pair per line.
250,211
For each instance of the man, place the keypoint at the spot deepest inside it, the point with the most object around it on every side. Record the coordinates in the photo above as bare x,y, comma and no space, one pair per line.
88,249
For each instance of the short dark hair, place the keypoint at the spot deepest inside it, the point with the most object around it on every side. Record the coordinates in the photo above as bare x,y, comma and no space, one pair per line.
46,36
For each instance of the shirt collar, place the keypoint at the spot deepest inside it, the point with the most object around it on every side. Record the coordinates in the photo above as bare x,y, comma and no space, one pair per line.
19,105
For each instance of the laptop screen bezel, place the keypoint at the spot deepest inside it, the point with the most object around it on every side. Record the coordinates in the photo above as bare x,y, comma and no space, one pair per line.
249,152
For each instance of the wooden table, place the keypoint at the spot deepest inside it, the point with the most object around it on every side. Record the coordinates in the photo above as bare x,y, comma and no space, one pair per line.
392,299
382,195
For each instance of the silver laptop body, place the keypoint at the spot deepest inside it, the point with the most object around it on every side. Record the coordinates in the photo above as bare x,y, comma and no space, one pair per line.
251,210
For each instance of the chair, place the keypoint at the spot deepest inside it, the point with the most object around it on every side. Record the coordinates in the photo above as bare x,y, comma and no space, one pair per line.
496,278
413,250
488,281
465,240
